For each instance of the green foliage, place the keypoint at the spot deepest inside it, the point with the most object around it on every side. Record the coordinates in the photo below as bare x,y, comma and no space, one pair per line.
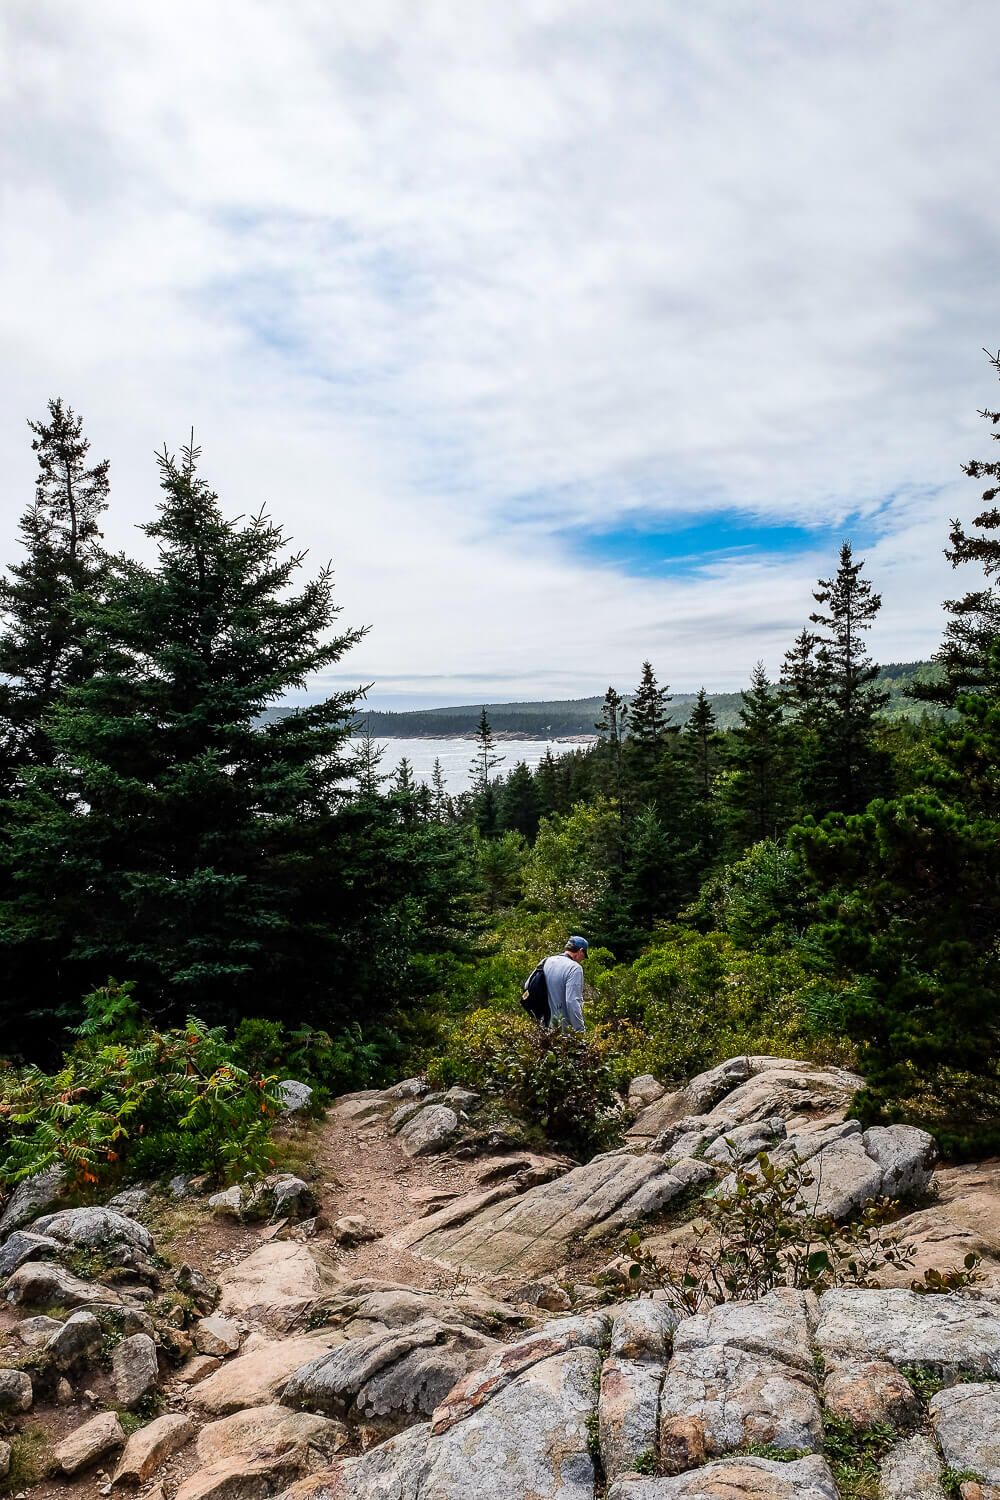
761,900
556,1080
31,1460
855,1455
692,999
135,1097
759,1233
330,1064
570,868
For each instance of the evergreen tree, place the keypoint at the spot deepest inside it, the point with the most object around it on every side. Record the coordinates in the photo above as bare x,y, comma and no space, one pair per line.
758,792
441,808
701,739
649,728
176,839
520,803
612,726
909,893
547,785
802,678
367,761
974,625
848,768
42,648
484,791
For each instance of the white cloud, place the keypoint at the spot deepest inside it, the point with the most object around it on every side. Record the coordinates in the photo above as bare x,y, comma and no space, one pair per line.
439,281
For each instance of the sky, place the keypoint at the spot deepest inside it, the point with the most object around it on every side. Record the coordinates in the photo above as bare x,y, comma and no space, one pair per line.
573,333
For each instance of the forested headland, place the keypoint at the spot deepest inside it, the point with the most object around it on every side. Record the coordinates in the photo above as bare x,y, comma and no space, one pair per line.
199,895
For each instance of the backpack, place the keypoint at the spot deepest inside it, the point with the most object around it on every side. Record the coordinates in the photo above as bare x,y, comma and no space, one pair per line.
535,995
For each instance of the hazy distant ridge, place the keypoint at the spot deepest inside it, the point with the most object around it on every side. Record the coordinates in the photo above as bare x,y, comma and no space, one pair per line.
547,720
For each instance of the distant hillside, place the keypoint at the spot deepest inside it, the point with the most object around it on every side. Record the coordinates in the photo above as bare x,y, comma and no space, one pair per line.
550,720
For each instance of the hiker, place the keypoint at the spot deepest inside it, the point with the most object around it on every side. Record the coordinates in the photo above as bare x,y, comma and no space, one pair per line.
562,995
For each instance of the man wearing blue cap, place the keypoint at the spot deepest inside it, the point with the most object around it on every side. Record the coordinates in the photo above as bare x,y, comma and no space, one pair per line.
564,983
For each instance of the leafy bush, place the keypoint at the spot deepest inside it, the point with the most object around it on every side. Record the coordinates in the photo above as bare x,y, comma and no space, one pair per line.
760,1234
330,1064
558,1080
131,1095
694,999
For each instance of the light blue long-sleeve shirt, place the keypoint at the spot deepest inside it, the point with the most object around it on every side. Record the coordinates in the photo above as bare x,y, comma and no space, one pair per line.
564,982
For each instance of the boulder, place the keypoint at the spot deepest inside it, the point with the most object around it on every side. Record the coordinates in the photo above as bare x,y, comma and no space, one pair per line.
532,1233
257,1376
389,1379
906,1155
429,1131
150,1447
759,1478
41,1284
15,1392
130,1201
354,1229
21,1246
958,1333
30,1198
296,1097
278,1283
964,1220
75,1342
269,1429
745,1089
97,1438
461,1099
912,1471
194,1284
402,1113
102,1229
511,1361
134,1368
246,1478
370,1306
217,1335
197,1368
644,1090
4,1459
288,1197
36,1332
643,1330
228,1204
778,1325
408,1088
864,1392
966,1422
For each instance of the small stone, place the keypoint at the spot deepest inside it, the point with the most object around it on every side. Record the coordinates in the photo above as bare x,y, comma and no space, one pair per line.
15,1392
196,1285
64,1392
545,1293
217,1336
75,1341
644,1090
354,1229
37,1331
4,1459
180,1186
130,1201
151,1446
94,1440
228,1204
295,1096
291,1197
196,1369
134,1368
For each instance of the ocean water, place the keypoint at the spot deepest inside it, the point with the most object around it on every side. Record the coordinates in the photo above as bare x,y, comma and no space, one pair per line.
456,756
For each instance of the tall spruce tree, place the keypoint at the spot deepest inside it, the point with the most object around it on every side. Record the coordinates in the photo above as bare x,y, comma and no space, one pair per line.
486,802
177,840
974,625
42,647
520,804
848,768
758,799
701,742
648,737
611,727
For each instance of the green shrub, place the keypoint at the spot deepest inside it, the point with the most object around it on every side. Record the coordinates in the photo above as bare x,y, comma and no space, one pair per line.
330,1064
131,1095
558,1080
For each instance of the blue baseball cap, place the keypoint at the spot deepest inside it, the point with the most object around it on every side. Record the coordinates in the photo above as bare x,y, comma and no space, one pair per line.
574,945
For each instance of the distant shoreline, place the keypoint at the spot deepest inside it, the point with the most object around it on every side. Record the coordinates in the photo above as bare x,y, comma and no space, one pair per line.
500,735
